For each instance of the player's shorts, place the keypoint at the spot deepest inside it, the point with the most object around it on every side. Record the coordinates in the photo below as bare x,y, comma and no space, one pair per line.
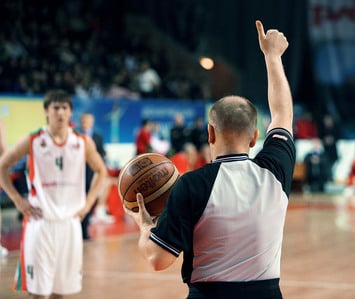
51,257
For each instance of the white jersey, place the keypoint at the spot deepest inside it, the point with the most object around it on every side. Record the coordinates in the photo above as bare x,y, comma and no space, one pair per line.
57,174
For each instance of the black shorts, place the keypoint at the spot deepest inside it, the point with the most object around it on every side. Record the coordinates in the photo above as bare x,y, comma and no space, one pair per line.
261,289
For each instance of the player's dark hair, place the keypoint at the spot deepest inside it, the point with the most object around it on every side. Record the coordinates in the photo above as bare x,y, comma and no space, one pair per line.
57,95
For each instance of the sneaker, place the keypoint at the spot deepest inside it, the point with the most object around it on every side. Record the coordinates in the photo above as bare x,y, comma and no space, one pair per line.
100,215
3,251
108,219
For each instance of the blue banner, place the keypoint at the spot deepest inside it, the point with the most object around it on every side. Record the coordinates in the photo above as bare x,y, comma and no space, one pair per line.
119,120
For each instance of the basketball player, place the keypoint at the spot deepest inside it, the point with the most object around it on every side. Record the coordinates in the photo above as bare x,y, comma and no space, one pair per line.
52,244
228,216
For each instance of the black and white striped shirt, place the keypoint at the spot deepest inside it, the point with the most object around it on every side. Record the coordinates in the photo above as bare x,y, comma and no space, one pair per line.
228,216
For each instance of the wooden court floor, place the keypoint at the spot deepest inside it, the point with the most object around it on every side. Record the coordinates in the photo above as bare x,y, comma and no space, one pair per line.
318,258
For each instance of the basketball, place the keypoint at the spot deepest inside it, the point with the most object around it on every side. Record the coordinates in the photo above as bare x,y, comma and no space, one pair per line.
151,174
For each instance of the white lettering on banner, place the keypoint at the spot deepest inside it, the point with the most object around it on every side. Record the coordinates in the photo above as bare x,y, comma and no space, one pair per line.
332,20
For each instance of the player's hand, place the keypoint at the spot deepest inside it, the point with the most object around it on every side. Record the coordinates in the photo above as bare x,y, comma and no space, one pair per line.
273,42
28,210
83,212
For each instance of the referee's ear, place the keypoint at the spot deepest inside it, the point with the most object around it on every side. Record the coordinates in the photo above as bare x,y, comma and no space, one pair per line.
211,134
254,138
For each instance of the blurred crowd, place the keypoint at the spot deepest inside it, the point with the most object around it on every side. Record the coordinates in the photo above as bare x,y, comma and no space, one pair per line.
186,146
322,157
81,47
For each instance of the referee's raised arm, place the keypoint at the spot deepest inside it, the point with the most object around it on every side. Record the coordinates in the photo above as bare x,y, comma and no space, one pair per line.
273,44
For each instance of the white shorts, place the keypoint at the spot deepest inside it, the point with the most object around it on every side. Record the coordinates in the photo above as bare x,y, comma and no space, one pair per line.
51,257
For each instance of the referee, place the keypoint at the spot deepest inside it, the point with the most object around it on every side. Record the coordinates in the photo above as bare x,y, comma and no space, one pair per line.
228,216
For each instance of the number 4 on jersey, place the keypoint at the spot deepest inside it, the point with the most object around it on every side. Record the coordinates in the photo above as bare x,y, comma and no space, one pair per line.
59,162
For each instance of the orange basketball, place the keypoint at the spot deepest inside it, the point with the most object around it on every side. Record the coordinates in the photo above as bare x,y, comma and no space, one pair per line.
151,174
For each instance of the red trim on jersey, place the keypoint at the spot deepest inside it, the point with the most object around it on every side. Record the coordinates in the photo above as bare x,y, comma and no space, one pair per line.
84,137
31,170
20,280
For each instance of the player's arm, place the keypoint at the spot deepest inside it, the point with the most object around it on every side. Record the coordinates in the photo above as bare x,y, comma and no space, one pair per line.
158,257
2,138
273,44
98,166
9,158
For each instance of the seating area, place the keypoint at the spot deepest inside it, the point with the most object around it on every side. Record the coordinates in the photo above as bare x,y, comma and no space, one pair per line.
91,53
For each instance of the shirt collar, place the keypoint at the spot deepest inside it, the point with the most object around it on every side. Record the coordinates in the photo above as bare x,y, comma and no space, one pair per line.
231,157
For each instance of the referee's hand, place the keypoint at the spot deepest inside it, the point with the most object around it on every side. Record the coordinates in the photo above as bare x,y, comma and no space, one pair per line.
273,42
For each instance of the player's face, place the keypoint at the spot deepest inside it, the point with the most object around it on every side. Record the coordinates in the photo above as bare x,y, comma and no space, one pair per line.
58,113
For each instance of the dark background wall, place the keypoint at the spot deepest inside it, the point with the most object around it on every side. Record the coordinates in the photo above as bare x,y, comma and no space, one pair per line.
226,30
319,64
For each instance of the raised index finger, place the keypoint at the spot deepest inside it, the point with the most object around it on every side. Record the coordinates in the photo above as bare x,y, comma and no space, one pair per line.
260,28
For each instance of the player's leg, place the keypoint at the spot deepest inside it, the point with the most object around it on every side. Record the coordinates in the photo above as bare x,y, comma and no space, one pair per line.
69,257
38,263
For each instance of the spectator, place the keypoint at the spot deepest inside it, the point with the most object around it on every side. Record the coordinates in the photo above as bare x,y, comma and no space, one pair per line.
157,142
306,127
316,167
98,213
118,90
179,133
77,57
143,138
329,134
95,89
198,133
148,81
188,159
